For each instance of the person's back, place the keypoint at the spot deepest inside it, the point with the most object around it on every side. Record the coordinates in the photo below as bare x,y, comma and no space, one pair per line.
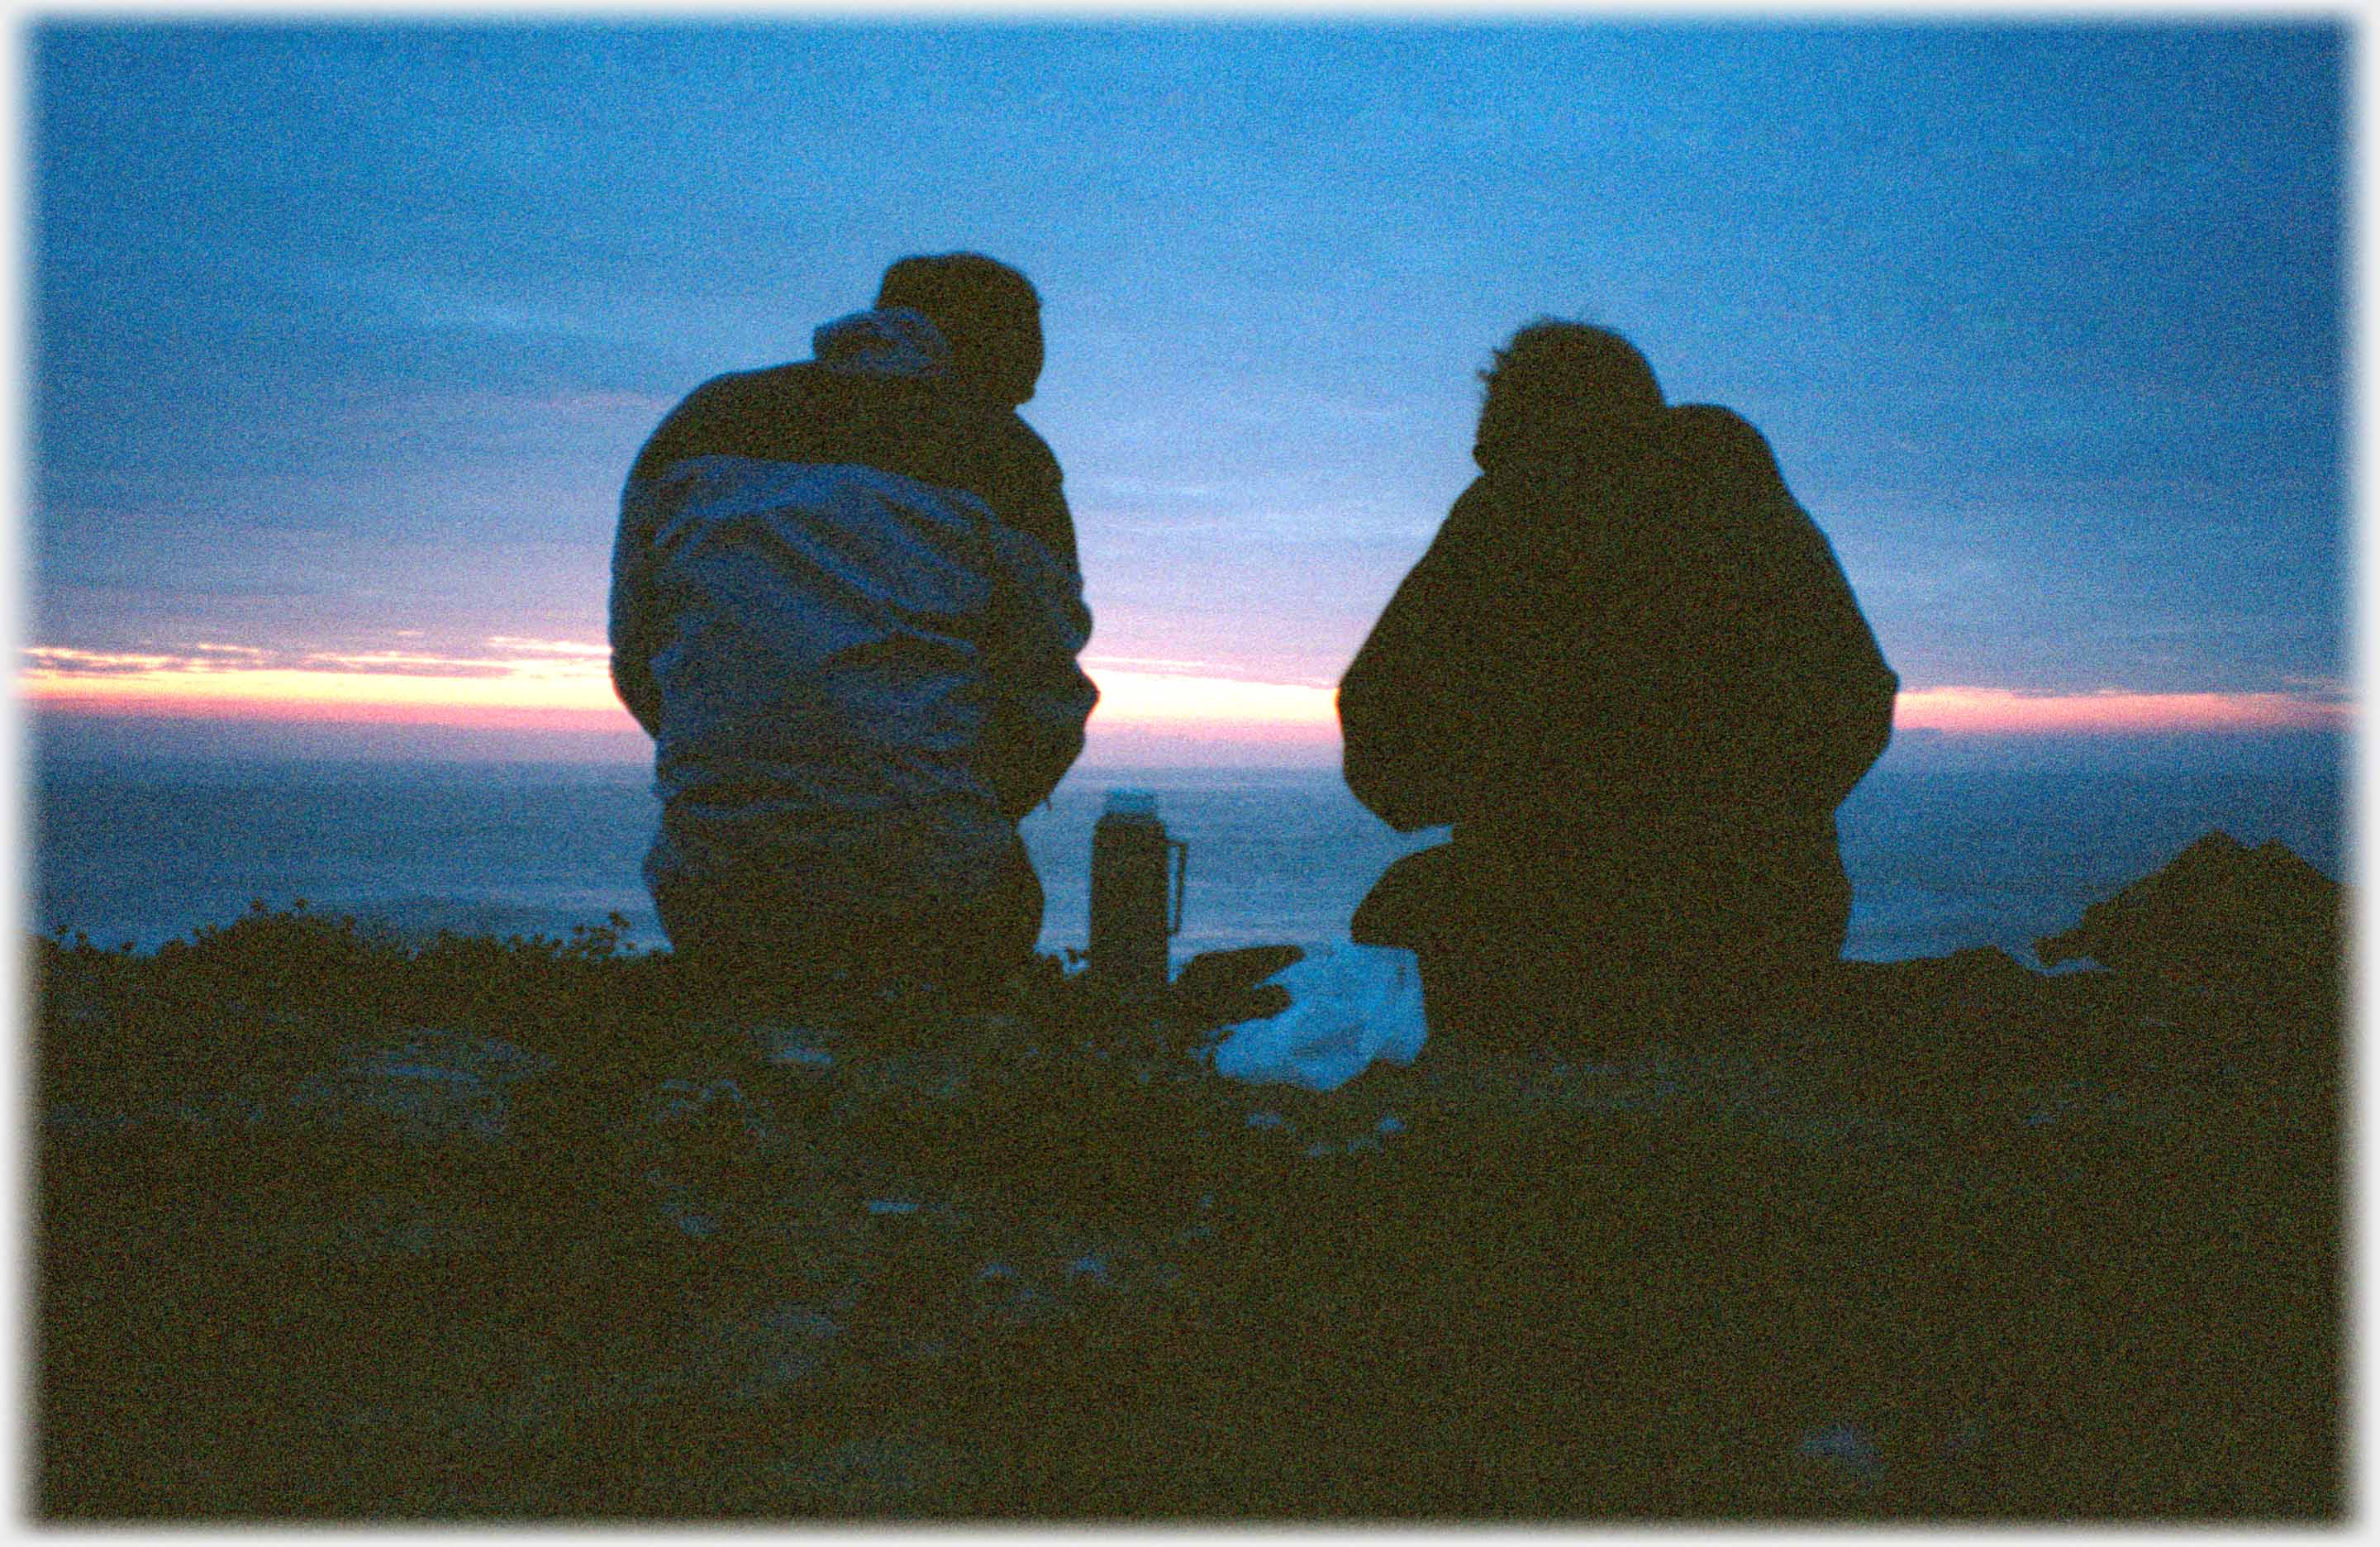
844,604
1629,674
1801,706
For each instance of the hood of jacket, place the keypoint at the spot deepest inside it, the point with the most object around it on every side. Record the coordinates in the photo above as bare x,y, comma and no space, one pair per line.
892,341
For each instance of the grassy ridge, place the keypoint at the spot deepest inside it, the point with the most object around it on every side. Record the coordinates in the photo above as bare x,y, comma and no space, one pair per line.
1959,1242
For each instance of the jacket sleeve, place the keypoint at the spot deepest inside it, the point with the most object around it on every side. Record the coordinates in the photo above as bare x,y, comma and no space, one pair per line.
1794,702
1411,709
1041,699
637,624
1797,703
1842,678
1027,489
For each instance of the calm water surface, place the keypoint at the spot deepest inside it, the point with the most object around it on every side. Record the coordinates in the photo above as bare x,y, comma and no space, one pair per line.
1950,843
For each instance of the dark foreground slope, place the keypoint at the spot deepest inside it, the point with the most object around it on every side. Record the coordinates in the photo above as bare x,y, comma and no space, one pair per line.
328,1229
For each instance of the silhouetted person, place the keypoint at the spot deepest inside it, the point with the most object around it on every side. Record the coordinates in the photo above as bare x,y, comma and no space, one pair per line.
846,604
1631,674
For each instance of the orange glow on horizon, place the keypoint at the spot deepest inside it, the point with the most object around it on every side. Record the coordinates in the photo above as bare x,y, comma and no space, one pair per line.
565,695
573,692
1156,700
2000,711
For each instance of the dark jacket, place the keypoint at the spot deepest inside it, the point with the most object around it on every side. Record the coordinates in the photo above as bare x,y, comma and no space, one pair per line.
1637,685
1662,638
845,603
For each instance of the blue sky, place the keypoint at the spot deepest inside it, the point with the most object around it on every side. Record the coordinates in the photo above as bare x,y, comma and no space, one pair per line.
344,336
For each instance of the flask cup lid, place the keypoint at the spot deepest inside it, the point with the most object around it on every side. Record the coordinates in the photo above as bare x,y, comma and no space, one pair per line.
1128,802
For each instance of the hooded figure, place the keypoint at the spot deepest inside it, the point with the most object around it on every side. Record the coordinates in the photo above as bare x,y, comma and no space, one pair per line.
844,604
1630,673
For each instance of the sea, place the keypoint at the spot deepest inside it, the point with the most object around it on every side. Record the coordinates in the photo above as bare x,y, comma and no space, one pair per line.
1951,842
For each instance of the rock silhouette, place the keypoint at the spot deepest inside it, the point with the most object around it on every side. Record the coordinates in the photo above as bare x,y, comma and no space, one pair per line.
2219,913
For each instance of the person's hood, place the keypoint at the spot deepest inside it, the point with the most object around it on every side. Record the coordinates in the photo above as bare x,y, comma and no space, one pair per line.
890,341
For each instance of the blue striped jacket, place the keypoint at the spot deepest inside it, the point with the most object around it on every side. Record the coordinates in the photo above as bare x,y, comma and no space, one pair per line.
846,605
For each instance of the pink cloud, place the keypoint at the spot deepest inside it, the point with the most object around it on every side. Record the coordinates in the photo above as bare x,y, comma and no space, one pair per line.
2001,710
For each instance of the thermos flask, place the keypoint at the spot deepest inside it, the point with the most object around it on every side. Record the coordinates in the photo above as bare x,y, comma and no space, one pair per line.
1131,928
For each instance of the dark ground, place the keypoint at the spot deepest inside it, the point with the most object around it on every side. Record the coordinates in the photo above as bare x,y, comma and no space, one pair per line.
481,1230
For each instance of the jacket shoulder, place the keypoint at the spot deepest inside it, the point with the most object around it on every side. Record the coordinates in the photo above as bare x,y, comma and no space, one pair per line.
1025,486
1020,470
721,415
1021,441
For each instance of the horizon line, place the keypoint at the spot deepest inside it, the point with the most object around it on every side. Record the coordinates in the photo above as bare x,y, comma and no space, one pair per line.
1214,708
565,688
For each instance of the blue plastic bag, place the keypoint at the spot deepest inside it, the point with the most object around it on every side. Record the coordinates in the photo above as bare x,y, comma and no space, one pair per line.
1348,1004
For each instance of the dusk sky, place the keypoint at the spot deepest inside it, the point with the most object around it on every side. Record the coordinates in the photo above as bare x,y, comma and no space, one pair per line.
344,336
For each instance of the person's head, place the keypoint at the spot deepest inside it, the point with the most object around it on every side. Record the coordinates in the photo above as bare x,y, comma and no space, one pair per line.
987,312
1567,388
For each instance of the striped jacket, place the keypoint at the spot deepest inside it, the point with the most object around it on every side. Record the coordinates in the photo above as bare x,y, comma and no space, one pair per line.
846,605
